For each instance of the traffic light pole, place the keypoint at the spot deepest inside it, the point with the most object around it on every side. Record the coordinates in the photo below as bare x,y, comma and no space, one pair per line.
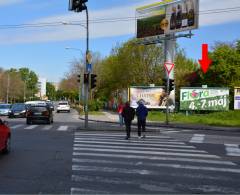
86,71
169,50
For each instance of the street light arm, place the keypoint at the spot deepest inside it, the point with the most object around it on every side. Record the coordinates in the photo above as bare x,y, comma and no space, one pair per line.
74,24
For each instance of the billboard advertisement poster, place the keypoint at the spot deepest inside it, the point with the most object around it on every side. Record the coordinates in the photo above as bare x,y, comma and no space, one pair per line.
167,17
237,98
212,99
152,97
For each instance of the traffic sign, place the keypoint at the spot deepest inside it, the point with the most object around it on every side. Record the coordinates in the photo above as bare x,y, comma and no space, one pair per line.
89,67
169,66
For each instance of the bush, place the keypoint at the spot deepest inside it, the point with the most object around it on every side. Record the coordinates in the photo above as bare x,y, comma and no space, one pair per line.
95,105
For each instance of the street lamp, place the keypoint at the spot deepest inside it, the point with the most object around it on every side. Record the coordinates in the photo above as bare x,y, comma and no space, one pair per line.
79,6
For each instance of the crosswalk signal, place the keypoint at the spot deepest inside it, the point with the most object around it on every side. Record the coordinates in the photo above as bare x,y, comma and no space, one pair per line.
93,81
79,78
86,78
171,85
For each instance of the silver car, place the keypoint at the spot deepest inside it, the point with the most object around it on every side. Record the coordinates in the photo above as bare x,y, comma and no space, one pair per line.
5,109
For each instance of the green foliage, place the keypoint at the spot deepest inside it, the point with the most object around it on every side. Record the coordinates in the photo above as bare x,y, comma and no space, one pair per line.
51,92
230,118
130,64
95,105
225,68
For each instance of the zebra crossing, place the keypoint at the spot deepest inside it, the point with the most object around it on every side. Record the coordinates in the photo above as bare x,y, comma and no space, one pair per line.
105,163
43,127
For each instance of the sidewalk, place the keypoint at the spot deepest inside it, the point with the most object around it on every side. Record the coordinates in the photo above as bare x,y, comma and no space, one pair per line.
111,117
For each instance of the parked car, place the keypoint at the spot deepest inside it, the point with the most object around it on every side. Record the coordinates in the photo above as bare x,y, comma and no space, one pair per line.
5,137
63,106
39,113
5,109
18,110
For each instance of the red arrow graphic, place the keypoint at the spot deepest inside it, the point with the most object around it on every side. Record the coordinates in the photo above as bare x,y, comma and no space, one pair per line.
205,61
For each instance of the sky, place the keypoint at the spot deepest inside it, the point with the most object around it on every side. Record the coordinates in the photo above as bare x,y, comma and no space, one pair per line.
35,34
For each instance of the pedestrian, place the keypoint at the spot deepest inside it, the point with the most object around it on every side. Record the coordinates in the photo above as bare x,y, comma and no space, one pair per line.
128,114
141,113
119,110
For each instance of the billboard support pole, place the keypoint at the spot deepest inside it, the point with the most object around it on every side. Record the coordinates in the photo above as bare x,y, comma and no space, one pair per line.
169,51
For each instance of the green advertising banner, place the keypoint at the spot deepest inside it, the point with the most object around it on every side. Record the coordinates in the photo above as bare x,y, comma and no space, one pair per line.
204,99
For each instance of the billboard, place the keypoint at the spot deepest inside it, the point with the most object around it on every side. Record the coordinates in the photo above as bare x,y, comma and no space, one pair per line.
204,99
152,97
166,17
237,98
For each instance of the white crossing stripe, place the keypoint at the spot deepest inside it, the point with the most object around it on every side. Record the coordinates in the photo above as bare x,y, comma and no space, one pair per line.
149,152
147,172
86,191
76,146
147,141
161,144
16,126
113,135
157,158
197,138
232,149
63,128
31,127
48,127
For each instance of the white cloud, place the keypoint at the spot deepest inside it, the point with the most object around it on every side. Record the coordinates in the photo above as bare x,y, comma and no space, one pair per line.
7,2
110,29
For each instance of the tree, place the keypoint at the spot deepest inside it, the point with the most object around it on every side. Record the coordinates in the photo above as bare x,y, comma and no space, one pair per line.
51,92
30,80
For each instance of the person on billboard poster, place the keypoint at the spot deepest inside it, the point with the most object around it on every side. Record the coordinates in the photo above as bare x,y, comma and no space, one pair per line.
141,113
179,16
128,114
191,13
173,18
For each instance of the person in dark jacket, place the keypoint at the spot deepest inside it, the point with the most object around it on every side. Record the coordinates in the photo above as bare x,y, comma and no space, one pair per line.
141,113
128,114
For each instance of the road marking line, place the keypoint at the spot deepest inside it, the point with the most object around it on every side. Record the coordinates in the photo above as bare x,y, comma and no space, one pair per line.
232,149
149,152
127,156
139,143
197,138
15,126
31,127
148,172
86,191
113,135
76,146
62,128
47,127
150,141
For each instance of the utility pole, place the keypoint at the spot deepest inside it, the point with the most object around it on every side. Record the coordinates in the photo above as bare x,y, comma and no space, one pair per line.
24,91
8,85
79,6
169,50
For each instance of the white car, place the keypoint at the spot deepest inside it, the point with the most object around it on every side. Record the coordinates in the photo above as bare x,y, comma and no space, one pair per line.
63,106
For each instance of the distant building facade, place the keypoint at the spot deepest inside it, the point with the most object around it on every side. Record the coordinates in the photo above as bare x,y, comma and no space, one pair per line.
42,85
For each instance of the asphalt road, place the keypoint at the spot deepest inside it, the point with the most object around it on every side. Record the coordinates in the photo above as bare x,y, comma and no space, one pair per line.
63,158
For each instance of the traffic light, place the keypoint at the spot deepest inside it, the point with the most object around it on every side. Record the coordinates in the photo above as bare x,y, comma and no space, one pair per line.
86,78
77,5
79,78
171,85
93,80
